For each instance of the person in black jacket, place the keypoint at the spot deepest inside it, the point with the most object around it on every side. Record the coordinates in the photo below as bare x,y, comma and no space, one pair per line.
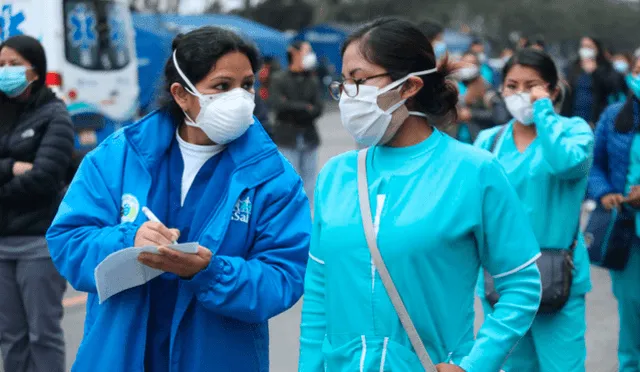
36,143
592,81
294,97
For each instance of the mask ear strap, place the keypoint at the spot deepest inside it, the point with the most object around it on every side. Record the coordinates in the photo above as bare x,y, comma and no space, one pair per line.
401,81
418,113
395,107
190,87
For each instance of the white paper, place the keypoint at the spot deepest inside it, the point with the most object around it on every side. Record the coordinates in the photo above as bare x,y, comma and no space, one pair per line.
121,270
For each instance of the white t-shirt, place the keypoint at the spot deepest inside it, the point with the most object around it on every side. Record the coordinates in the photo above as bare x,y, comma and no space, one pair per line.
194,157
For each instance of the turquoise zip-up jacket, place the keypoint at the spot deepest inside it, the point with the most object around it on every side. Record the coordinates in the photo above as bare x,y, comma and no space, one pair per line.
443,209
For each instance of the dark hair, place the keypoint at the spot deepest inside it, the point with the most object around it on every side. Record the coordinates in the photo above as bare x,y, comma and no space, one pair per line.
31,50
431,28
197,52
625,120
537,60
401,48
297,45
601,58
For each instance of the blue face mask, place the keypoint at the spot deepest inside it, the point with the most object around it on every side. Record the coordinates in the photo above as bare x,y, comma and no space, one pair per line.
439,48
621,66
13,80
634,84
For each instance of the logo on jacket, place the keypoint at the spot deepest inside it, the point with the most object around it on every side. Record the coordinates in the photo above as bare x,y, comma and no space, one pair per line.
242,210
129,209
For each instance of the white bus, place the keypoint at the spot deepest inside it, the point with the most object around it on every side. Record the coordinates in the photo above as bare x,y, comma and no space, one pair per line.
91,59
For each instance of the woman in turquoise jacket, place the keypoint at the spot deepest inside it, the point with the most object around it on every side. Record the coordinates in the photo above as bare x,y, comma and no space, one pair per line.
211,173
616,172
547,159
442,209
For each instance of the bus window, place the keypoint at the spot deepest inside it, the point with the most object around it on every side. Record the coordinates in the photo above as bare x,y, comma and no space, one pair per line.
96,35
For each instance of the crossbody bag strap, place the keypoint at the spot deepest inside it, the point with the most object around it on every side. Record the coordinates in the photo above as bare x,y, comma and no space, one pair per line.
496,138
367,222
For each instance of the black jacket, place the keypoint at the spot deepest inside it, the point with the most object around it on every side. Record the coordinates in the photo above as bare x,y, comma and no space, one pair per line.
42,134
295,99
606,82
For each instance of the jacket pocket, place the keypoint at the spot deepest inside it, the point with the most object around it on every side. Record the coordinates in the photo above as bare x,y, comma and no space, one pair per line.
366,354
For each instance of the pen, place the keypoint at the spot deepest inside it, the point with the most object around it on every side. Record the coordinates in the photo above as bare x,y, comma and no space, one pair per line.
152,217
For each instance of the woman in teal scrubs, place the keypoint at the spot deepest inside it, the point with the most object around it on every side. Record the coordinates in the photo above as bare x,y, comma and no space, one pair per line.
442,209
547,159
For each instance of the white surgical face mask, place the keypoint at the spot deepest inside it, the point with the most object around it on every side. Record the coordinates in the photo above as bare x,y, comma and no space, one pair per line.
309,61
482,57
621,66
587,53
365,120
520,107
224,116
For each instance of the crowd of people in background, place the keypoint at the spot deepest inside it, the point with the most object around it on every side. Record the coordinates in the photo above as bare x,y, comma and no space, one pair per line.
404,231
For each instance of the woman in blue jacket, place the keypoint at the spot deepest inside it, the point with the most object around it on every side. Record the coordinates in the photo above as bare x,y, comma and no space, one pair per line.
615,133
547,159
441,210
212,174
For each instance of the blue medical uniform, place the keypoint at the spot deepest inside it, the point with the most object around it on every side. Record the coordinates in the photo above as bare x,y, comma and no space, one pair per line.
164,289
446,209
252,214
550,177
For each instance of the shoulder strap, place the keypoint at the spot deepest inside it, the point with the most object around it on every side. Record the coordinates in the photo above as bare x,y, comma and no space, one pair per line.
367,222
497,137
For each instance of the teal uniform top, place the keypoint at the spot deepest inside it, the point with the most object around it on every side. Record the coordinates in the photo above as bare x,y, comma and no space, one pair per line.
633,177
550,177
442,209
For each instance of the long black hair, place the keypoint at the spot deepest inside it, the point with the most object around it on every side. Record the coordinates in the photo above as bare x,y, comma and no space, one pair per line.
624,122
401,48
197,53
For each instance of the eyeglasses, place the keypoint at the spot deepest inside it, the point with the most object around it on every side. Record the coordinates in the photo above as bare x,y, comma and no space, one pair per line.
336,88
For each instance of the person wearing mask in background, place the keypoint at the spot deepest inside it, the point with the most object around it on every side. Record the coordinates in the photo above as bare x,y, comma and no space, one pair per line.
621,63
547,159
434,203
434,31
593,81
477,48
616,145
209,171
296,101
479,107
37,142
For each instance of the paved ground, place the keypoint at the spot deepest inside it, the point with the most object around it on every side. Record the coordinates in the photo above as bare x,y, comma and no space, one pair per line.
602,312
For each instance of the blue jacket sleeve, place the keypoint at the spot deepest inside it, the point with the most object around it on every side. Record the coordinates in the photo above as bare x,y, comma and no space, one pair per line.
567,144
313,325
508,250
87,229
270,279
599,184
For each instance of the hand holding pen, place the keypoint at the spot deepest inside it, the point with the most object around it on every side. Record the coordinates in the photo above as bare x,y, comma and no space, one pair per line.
155,233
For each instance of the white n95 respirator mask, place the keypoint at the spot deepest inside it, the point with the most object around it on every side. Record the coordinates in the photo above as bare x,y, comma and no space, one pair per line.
520,107
223,117
363,116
